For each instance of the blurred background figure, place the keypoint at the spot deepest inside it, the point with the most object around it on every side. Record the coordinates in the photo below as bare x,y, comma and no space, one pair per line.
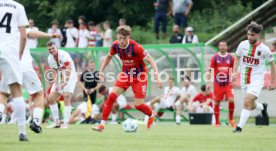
55,30
32,42
177,36
107,38
162,10
72,34
189,36
181,10
122,22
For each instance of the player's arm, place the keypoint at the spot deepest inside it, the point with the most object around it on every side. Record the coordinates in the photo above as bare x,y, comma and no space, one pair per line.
273,74
236,65
105,63
23,39
40,34
152,63
210,72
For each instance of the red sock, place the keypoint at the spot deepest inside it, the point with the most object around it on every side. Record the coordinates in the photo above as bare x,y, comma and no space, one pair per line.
231,108
216,112
108,106
144,108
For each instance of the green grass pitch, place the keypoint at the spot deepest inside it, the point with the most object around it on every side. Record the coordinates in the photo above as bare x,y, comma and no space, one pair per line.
162,137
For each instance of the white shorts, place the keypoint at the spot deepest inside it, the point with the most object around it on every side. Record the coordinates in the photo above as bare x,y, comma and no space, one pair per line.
11,69
121,100
253,88
31,83
70,86
83,108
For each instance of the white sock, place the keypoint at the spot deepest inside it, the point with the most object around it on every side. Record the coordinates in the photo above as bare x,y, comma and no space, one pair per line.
67,114
2,108
37,115
178,118
102,122
259,106
244,117
20,113
54,111
114,117
4,117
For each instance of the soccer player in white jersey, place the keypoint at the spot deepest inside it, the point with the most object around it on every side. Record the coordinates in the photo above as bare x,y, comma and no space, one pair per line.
13,22
167,100
188,92
31,82
65,82
251,55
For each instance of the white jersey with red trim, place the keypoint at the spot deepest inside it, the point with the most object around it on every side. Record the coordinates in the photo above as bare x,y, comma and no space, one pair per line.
169,95
63,59
12,16
252,61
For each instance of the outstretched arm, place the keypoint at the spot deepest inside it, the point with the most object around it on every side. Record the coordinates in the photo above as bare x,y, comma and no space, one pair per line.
105,63
40,34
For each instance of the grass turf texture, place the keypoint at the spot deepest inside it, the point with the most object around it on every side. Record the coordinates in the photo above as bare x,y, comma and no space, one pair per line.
162,137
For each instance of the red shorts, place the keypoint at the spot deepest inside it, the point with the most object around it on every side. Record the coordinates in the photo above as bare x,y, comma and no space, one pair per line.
138,84
221,91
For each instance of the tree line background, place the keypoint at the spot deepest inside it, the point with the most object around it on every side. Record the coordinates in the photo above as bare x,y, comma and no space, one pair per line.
208,17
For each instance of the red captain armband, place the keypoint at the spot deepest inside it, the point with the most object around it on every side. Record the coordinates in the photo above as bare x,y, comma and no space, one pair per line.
67,63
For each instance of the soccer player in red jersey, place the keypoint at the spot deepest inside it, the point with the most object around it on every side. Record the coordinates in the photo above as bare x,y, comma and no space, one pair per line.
134,74
221,66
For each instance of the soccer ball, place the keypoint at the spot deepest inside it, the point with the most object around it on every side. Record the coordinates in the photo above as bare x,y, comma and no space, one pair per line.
130,125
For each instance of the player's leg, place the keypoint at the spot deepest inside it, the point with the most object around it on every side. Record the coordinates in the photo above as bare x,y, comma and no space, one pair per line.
231,108
217,112
231,105
67,109
75,116
52,99
116,91
252,92
179,107
33,85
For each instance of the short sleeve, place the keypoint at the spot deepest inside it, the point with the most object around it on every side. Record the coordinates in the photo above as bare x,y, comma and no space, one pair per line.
189,2
212,63
239,50
22,18
268,56
141,52
65,58
113,49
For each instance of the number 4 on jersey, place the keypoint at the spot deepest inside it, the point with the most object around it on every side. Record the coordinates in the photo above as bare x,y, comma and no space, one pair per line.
6,21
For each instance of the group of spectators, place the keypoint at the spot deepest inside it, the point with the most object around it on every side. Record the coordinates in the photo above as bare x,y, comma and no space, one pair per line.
86,34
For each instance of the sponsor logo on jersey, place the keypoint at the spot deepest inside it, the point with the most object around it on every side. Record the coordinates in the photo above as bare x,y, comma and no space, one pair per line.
250,60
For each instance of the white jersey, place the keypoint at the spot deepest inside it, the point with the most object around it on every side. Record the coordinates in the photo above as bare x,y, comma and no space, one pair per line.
32,42
56,40
252,62
190,91
170,95
72,35
12,16
83,38
27,60
64,58
108,34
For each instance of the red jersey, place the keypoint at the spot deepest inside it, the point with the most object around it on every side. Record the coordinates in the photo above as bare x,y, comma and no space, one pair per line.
202,98
132,57
222,66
